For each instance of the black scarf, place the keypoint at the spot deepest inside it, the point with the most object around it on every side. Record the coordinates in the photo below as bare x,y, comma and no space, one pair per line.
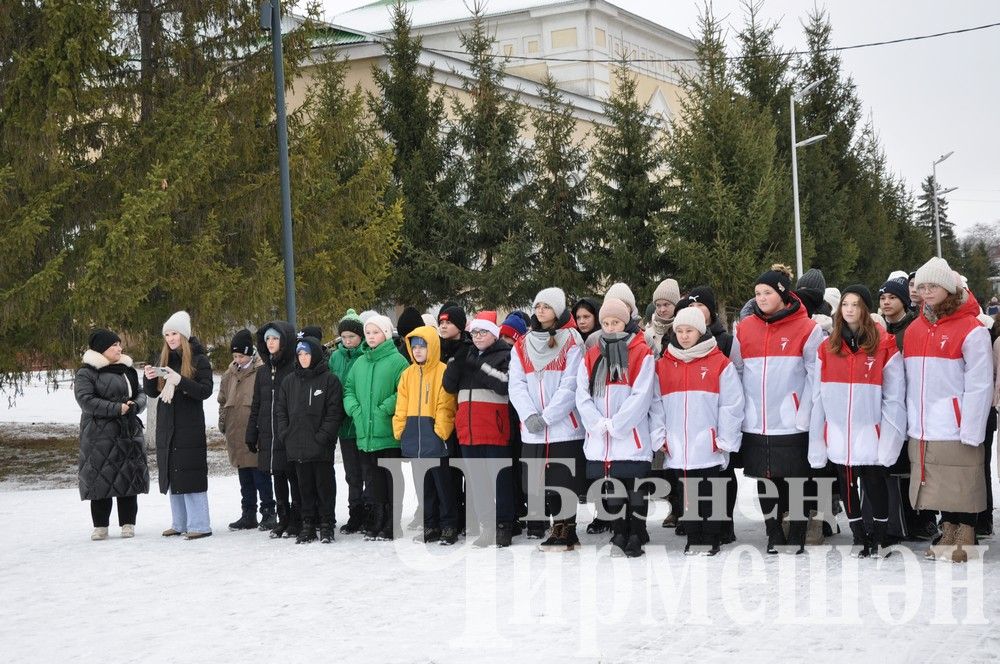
612,363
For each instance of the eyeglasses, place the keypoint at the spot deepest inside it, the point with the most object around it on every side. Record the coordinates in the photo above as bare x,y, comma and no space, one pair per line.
479,333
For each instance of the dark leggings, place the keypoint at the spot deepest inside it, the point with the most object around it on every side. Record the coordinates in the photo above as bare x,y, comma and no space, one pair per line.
874,490
100,511
699,501
780,505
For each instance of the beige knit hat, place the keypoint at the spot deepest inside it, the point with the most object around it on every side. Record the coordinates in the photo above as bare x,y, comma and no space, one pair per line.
615,308
620,291
937,271
667,290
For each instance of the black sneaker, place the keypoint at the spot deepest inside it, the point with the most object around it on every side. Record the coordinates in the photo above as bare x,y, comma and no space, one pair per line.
268,520
246,522
306,534
429,536
449,536
326,534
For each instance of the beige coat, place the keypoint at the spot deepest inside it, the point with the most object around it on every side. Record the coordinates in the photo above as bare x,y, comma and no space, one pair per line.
235,398
947,476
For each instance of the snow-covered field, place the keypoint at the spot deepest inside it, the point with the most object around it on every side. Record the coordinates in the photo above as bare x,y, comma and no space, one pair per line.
242,597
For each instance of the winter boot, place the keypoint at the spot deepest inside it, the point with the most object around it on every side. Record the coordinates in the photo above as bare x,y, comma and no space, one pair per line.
326,531
694,543
99,534
569,534
619,538
670,521
294,521
246,522
816,529
942,548
268,521
355,520
429,536
965,536
861,542
449,536
775,535
307,532
556,541
880,547
505,533
633,548
376,518
728,535
536,530
681,529
713,546
388,529
282,525
128,531
797,536
598,526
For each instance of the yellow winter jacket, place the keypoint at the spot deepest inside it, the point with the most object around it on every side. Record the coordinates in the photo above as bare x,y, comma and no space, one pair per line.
425,413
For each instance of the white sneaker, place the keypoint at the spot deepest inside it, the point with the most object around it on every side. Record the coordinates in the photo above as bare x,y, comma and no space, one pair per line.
128,531
99,534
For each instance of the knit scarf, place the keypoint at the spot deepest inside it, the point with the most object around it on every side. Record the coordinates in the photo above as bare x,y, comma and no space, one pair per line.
704,346
536,342
661,325
612,363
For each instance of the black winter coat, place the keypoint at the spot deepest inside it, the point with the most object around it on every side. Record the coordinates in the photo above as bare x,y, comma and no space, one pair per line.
309,412
479,380
261,430
112,447
181,443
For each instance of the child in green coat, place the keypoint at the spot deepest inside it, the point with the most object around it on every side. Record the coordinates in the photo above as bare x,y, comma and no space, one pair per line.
370,401
349,348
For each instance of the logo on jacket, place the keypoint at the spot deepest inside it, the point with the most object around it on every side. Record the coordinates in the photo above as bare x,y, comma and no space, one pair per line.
944,340
704,372
317,393
784,342
869,363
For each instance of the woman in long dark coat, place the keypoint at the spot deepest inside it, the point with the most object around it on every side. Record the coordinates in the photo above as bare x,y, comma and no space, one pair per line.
112,448
181,445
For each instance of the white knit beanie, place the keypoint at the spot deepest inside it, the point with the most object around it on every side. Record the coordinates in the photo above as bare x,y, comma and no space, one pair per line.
937,271
429,320
180,322
381,322
366,315
898,274
691,316
667,290
832,297
620,291
554,297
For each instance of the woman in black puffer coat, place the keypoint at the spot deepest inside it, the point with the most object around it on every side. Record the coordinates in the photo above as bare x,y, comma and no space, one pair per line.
181,445
112,448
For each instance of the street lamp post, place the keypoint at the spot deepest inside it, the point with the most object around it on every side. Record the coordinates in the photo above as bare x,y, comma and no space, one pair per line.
934,190
270,19
795,171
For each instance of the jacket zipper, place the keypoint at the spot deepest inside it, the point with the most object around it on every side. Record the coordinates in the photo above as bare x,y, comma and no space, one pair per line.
420,404
273,371
763,381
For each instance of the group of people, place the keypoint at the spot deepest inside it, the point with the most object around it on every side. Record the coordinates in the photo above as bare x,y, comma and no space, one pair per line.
508,423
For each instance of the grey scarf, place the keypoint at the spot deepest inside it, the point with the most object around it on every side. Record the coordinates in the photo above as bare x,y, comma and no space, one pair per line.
612,364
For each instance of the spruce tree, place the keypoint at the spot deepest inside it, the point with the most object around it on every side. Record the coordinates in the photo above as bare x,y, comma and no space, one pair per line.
724,188
629,191
924,220
557,227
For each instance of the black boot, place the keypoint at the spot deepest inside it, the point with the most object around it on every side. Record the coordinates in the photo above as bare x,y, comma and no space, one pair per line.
246,522
797,536
728,534
294,521
880,540
714,545
619,537
387,531
355,520
861,542
775,535
598,526
694,542
633,548
282,524
326,532
307,532
505,533
268,521
376,517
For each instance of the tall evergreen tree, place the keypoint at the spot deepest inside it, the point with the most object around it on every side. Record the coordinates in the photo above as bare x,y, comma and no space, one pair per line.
411,113
950,249
977,268
629,191
491,167
724,191
557,227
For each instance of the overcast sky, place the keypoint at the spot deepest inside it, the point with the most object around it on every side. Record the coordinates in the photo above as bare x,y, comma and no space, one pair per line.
926,97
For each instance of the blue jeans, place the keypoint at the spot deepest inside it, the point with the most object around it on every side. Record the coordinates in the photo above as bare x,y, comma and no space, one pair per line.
190,512
253,482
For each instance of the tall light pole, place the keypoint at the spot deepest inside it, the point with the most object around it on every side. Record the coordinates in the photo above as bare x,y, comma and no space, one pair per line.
795,171
934,189
270,19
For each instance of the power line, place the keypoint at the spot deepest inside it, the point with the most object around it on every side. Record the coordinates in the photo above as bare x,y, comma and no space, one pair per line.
832,49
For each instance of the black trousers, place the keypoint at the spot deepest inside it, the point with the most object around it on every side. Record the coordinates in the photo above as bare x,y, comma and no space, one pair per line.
554,475
986,516
379,479
699,501
286,484
100,511
781,504
353,474
316,482
874,490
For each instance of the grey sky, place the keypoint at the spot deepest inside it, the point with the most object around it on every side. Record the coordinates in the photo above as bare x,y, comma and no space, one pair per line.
925,98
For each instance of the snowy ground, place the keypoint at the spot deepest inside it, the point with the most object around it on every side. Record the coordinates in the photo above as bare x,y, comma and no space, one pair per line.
237,596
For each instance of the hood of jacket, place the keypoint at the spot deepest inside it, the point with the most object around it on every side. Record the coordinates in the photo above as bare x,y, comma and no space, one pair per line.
286,354
317,361
97,360
430,335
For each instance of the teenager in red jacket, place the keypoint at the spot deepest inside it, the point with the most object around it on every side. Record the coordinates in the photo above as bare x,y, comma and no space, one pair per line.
859,415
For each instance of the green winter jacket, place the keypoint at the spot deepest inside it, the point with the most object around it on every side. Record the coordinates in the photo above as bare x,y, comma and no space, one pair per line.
341,361
370,395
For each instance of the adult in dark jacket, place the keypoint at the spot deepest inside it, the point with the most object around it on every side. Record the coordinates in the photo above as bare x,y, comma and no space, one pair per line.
181,446
276,346
307,418
112,447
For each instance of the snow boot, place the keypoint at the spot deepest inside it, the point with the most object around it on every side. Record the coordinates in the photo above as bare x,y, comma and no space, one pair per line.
670,521
775,535
376,519
598,526
429,536
569,534
449,536
294,521
797,536
355,520
307,532
942,548
505,533
556,541
619,538
388,529
282,523
267,519
694,542
880,547
99,534
128,531
861,541
246,522
326,532
964,536
633,548
713,546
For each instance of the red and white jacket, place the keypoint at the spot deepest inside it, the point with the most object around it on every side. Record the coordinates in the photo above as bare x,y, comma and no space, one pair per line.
859,409
949,376
549,391
626,404
697,410
776,362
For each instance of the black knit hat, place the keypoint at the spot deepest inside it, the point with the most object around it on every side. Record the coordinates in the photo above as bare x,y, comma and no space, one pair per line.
813,278
861,291
408,321
900,287
702,295
454,314
100,340
779,281
351,322
242,342
314,331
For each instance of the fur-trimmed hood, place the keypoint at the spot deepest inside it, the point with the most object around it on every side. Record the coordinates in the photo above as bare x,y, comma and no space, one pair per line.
97,360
